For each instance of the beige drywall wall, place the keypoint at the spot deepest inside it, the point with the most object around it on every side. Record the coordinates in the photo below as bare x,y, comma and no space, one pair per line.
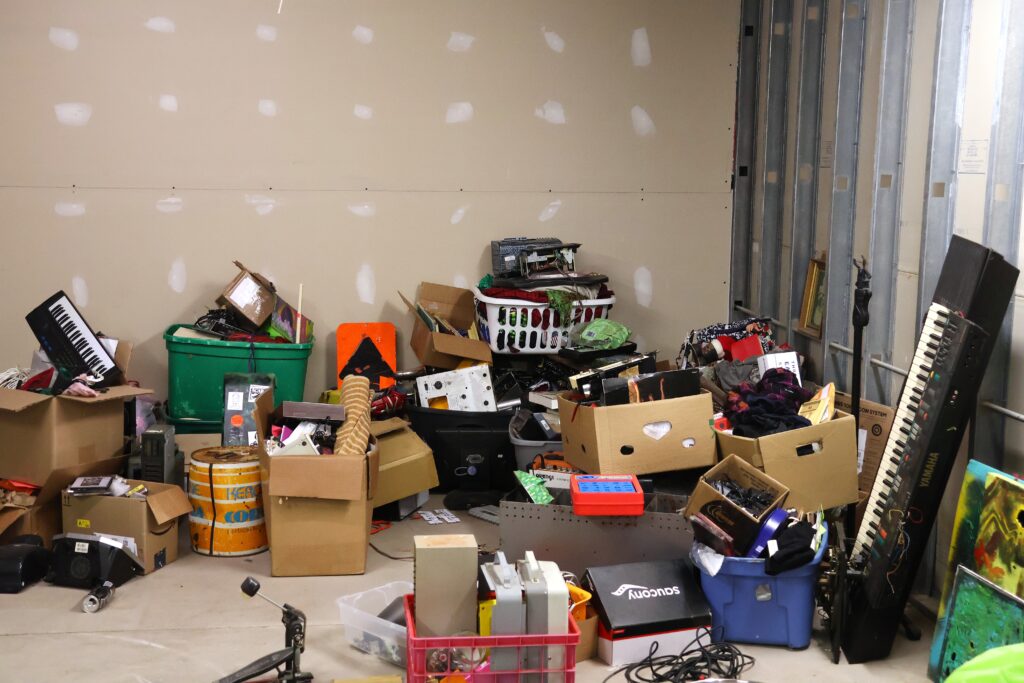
359,148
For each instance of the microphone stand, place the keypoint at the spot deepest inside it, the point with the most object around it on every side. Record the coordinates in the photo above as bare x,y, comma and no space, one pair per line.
861,318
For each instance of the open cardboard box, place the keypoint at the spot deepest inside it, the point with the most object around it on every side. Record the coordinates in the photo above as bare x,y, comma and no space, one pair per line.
317,507
251,295
826,477
638,438
43,517
151,522
742,526
44,433
406,462
437,349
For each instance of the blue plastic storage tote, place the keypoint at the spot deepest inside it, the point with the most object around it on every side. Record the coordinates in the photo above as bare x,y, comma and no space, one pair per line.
748,606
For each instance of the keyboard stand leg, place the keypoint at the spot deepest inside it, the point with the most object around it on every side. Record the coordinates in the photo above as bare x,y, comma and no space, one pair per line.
909,630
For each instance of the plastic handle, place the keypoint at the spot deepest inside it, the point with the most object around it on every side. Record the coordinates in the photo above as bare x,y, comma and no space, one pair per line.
532,566
503,569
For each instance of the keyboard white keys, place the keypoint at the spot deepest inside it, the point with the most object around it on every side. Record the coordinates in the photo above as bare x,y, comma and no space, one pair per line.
903,421
81,339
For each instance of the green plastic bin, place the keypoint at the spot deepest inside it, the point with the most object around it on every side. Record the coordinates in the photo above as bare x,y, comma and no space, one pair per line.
193,426
196,367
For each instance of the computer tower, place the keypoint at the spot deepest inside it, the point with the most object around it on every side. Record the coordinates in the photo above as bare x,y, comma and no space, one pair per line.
161,461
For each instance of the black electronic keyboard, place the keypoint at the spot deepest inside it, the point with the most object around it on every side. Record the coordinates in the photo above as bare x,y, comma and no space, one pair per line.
70,343
936,402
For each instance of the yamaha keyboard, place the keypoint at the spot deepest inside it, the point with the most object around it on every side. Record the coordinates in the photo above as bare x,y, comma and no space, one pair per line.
936,402
70,343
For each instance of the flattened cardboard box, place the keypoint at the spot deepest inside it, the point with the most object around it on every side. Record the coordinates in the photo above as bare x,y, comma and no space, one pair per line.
638,438
826,478
45,433
875,423
151,521
43,518
732,519
437,349
317,507
406,462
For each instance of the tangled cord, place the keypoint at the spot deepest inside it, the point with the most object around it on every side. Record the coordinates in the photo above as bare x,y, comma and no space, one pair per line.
12,378
696,662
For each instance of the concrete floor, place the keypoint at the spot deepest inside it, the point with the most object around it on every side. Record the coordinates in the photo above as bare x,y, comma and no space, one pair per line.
190,622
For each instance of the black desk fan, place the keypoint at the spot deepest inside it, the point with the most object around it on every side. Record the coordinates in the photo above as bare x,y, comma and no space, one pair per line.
294,639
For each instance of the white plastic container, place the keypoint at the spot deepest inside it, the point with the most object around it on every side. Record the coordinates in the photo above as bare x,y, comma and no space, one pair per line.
507,324
365,631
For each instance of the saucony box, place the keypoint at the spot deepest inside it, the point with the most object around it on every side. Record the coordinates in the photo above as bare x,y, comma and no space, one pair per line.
646,602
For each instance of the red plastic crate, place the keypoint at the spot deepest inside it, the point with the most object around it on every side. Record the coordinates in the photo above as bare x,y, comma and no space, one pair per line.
422,650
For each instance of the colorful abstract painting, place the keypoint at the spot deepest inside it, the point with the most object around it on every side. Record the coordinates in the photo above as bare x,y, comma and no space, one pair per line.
965,545
999,547
981,616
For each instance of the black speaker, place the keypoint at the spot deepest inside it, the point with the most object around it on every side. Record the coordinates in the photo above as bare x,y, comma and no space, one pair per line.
87,560
22,562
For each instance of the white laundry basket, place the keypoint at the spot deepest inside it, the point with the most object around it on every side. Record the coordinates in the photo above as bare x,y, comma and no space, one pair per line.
519,326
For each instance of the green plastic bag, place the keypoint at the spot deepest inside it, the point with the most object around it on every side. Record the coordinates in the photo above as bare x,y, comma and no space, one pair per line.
601,334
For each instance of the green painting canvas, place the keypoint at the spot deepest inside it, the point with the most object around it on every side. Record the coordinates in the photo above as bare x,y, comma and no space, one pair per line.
981,616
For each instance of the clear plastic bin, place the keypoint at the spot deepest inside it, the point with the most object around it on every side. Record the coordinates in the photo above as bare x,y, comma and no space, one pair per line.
365,631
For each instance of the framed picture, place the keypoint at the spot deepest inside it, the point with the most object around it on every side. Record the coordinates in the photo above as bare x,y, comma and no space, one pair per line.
812,309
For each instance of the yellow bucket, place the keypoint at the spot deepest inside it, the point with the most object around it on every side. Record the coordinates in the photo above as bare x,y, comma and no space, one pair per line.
227,505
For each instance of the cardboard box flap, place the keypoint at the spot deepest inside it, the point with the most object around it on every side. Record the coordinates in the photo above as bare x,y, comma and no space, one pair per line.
16,400
314,476
256,276
410,305
167,504
10,515
461,346
123,355
112,393
56,482
59,479
381,427
401,446
261,412
443,300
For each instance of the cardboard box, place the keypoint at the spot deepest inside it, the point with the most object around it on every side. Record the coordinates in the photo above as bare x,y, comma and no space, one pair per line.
317,507
406,462
45,433
43,518
251,295
638,438
438,349
732,519
873,434
151,522
824,478
641,603
445,571
587,649
190,443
